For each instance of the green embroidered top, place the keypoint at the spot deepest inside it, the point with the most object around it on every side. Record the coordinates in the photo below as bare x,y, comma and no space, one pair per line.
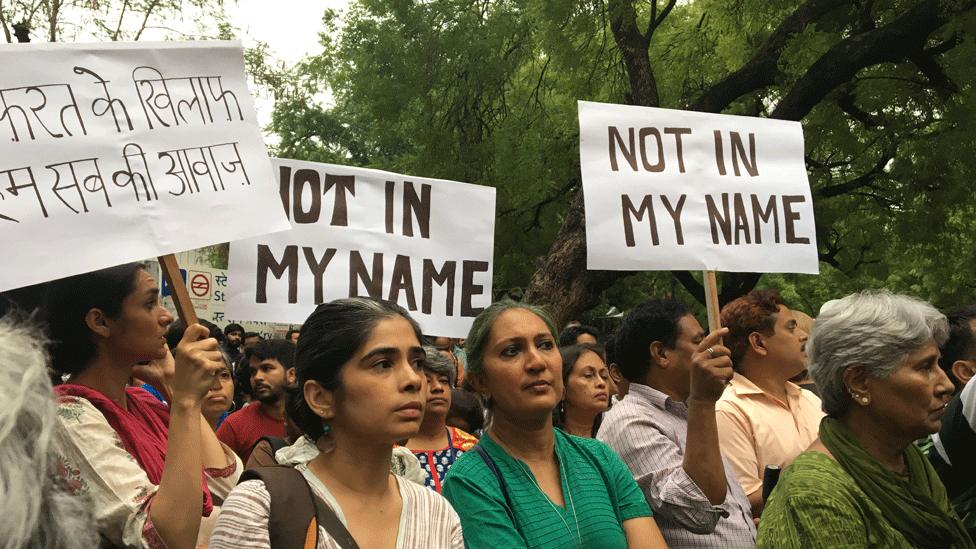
816,504
603,492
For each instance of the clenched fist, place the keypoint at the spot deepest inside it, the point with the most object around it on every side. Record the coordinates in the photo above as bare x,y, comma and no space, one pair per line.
197,363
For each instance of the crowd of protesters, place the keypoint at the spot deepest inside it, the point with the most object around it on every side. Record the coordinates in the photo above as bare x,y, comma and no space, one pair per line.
123,427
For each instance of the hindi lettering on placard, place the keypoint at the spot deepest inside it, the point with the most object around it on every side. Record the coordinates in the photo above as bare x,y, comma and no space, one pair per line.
176,101
103,105
211,162
25,108
14,188
91,183
133,176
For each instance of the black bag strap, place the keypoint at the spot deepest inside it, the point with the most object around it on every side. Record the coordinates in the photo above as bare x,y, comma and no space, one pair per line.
490,462
296,511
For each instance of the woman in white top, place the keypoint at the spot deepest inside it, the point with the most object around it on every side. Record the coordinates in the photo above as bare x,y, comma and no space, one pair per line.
359,364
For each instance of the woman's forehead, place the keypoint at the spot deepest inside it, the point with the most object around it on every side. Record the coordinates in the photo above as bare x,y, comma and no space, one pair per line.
518,322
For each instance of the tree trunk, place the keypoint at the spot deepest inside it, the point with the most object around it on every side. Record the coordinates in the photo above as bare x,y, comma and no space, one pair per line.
563,285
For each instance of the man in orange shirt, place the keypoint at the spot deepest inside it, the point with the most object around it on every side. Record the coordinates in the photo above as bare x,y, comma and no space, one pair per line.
763,419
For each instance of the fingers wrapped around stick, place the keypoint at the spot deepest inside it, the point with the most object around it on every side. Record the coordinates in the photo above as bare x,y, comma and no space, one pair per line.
711,367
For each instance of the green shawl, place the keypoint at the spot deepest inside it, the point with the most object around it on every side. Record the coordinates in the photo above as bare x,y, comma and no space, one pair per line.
916,506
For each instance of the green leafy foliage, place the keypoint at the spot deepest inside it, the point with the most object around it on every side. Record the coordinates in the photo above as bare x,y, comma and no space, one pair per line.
485,92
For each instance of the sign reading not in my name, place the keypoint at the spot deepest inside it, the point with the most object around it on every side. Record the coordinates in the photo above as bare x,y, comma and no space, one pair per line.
681,190
117,152
426,244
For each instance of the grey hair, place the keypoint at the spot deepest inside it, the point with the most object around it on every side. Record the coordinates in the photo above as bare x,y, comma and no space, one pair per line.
439,364
877,329
37,512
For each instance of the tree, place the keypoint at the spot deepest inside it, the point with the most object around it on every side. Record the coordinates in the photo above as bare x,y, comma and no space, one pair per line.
115,20
486,92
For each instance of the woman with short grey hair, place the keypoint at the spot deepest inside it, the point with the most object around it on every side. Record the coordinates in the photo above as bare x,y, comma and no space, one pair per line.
874,356
38,511
437,446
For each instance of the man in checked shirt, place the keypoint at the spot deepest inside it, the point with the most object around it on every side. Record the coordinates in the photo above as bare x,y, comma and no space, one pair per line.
665,430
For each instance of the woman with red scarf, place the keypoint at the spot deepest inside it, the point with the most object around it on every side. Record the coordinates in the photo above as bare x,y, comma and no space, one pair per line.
142,462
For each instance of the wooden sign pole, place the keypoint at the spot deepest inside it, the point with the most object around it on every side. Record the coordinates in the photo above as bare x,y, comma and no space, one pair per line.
181,298
711,300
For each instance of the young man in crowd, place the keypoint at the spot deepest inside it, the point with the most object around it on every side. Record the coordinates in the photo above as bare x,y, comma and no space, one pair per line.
272,367
234,334
574,335
954,446
666,432
251,339
293,334
763,418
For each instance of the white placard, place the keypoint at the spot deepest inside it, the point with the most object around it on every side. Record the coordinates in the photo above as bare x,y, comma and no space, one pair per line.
682,190
117,152
426,244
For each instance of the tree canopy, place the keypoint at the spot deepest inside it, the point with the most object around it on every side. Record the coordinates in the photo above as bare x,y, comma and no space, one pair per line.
485,91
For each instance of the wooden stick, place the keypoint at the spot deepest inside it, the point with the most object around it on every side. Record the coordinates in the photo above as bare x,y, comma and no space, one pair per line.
181,298
711,300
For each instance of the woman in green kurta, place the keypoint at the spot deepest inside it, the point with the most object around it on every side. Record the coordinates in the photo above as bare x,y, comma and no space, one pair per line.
874,357
527,484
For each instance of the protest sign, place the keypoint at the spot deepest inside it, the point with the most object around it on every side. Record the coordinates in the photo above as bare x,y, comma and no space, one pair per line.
117,152
680,190
426,244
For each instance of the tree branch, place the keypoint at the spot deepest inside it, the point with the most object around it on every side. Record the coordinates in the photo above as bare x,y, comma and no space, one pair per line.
689,283
3,23
655,21
118,27
633,48
890,43
145,20
762,69
862,180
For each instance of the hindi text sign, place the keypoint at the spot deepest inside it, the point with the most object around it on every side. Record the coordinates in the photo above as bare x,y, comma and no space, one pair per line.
681,190
117,152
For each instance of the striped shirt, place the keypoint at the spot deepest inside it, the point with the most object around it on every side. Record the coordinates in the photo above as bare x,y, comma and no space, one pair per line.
649,430
426,519
598,492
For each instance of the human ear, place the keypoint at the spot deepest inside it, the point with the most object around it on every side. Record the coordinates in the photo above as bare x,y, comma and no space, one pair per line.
659,354
757,344
963,370
97,322
320,399
478,384
290,377
615,374
856,381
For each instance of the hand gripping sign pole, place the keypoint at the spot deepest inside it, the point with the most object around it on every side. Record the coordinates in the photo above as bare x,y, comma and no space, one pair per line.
184,307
